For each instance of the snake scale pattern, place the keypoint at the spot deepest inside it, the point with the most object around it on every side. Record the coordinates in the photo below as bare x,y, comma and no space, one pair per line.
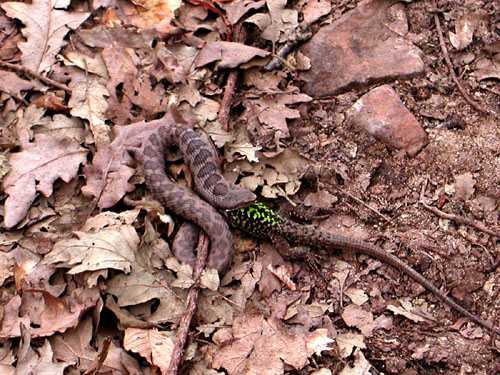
208,181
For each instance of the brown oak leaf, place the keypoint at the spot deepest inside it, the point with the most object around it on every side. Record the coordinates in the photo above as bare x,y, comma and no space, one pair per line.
45,30
35,169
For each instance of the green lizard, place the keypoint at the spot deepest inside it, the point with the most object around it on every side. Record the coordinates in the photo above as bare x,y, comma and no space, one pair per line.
260,221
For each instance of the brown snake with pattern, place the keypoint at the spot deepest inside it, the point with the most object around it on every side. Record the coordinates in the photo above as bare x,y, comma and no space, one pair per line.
210,184
256,219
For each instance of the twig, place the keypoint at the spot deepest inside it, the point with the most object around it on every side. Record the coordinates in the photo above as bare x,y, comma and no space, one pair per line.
387,219
32,73
190,305
466,96
97,363
227,99
300,35
457,219
461,220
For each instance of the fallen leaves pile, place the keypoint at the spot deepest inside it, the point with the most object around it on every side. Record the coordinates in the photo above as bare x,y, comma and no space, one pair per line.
88,280
79,278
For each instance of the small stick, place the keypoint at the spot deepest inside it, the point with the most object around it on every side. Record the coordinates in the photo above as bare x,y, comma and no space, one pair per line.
387,219
32,73
461,220
457,219
300,35
477,106
190,305
227,99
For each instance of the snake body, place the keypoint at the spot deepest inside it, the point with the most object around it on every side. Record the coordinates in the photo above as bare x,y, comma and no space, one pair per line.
209,183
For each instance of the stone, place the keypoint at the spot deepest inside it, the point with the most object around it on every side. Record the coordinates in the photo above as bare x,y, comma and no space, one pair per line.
363,47
381,114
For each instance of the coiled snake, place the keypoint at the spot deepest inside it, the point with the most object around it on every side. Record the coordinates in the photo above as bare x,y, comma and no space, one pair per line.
209,183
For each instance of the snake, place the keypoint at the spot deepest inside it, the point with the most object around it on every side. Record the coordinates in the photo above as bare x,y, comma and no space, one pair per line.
216,191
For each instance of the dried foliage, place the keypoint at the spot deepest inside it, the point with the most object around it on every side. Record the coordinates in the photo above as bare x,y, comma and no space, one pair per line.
99,291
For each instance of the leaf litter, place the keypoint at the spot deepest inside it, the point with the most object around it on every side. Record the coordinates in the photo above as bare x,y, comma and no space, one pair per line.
72,267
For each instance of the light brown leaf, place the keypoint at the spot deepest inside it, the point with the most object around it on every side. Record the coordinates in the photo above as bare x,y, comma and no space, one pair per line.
35,169
464,186
228,54
93,251
57,315
348,341
111,168
261,346
237,9
355,316
318,341
155,346
11,320
278,23
88,102
464,31
13,84
75,346
45,30
40,362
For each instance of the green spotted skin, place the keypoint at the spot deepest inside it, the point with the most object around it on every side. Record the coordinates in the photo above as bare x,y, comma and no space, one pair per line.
257,220
260,221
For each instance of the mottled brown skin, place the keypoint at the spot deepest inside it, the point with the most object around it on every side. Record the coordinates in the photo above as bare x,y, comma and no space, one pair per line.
210,184
262,222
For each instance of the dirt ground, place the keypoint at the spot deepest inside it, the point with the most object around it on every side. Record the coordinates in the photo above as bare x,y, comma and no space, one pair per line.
457,257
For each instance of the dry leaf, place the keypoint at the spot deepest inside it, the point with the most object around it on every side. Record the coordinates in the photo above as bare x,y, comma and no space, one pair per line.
361,365
464,186
76,346
228,54
278,23
464,31
355,316
11,83
348,341
261,346
317,341
406,310
93,251
45,30
358,296
35,169
88,102
155,346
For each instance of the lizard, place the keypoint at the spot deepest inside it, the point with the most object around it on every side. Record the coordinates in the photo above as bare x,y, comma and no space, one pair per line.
240,207
260,221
